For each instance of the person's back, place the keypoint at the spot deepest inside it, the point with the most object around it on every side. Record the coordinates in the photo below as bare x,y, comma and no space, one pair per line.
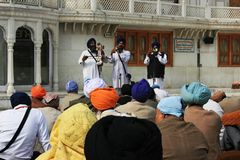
181,140
209,123
35,125
195,95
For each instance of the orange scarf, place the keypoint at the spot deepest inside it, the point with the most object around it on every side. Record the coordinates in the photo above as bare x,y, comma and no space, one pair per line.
231,119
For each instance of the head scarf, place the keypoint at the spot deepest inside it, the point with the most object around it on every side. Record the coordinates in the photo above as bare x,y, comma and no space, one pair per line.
104,98
20,98
52,100
141,91
72,86
68,134
160,94
92,84
157,44
195,93
171,105
123,138
90,41
121,39
38,91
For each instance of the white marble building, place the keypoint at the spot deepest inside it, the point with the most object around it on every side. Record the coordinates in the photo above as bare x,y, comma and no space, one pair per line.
41,40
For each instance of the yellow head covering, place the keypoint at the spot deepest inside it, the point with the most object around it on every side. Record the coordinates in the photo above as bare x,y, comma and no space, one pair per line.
68,134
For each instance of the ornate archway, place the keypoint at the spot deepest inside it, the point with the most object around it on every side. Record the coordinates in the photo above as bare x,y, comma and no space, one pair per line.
23,57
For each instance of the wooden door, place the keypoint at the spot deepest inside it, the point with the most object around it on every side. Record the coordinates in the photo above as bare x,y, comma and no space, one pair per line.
234,3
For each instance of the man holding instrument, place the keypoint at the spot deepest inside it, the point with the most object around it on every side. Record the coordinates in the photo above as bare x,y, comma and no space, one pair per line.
119,58
90,61
155,61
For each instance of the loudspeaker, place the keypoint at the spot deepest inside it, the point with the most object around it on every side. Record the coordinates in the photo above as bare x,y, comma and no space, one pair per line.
208,40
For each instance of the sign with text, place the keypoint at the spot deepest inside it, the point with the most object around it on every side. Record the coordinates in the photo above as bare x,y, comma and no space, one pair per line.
184,45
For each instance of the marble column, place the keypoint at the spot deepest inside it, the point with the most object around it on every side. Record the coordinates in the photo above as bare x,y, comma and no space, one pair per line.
55,66
38,44
10,66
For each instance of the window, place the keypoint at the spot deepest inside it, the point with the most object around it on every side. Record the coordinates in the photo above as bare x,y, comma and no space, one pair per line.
139,43
228,50
3,59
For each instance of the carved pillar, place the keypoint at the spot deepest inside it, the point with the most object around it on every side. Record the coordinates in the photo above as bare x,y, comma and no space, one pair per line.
38,78
55,66
184,8
131,6
38,44
10,69
93,5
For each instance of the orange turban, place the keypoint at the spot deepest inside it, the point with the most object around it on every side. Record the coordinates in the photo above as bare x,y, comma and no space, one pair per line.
38,91
104,98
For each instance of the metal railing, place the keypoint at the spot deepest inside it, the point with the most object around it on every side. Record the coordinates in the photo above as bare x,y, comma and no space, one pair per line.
136,7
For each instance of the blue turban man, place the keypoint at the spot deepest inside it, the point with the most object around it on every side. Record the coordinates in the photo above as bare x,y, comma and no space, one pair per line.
156,61
195,95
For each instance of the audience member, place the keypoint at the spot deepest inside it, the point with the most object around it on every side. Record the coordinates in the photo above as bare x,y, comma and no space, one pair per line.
140,94
37,93
34,126
195,95
180,140
50,113
68,134
72,94
231,135
230,104
104,101
213,103
126,94
123,138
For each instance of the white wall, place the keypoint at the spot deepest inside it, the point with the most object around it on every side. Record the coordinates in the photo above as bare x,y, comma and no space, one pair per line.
184,68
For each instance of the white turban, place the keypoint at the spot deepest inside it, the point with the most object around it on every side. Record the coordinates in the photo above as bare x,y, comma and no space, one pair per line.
160,94
92,84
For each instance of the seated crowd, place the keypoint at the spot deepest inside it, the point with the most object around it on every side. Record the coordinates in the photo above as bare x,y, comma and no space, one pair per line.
142,122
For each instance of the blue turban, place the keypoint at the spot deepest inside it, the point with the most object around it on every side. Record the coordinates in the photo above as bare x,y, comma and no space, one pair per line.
90,41
121,39
20,98
156,44
141,91
195,93
72,86
171,105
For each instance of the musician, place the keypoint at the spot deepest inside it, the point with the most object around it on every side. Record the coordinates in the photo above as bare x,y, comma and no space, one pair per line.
90,61
120,57
155,61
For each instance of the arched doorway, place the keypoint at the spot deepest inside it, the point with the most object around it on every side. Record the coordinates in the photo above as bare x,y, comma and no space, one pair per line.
3,59
46,58
23,57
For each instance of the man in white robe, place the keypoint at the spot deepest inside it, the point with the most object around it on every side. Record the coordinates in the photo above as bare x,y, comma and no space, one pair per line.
90,61
119,73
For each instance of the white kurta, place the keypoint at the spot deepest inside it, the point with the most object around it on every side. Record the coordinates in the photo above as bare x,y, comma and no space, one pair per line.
90,67
35,126
118,73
